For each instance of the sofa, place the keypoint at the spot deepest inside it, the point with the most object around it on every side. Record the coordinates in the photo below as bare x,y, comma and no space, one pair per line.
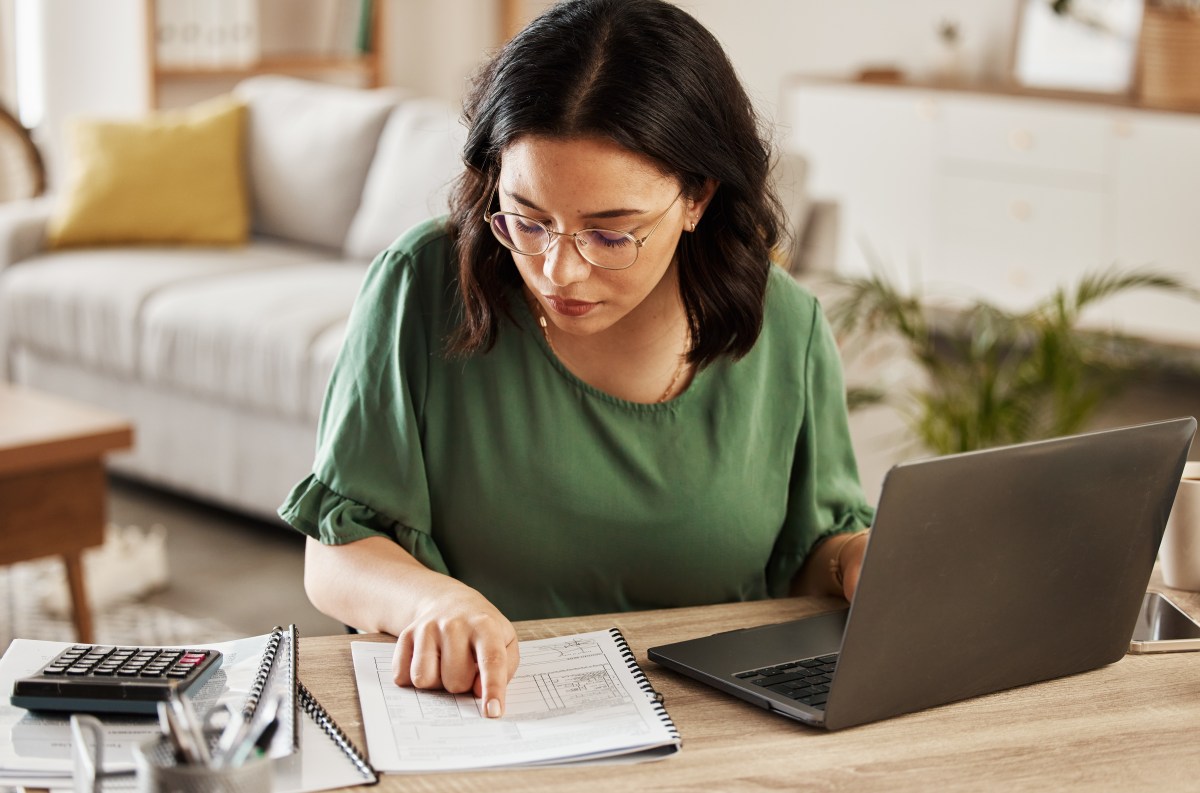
220,353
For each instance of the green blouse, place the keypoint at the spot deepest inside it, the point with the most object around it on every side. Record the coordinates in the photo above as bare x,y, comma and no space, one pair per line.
553,498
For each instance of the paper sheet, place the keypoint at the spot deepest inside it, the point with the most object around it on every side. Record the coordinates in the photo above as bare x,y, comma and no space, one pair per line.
35,750
34,745
573,699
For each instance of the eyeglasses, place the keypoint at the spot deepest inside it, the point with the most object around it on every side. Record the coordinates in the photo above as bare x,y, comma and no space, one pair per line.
604,248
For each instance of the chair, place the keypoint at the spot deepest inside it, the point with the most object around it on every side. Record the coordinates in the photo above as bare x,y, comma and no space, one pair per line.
22,173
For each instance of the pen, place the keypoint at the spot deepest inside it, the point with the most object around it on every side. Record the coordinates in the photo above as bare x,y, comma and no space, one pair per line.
263,743
258,736
234,732
189,728
181,743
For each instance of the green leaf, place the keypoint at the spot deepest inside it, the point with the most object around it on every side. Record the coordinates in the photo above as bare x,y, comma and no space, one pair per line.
993,376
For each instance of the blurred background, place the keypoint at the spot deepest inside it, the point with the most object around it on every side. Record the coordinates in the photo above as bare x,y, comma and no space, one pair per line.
1013,178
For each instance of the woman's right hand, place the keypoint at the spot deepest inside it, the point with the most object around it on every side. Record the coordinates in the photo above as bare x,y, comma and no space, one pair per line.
457,641
450,636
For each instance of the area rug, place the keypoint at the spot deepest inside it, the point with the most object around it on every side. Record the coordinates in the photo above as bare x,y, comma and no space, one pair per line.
129,566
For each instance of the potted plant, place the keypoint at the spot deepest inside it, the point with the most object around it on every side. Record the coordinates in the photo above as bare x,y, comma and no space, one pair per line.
987,376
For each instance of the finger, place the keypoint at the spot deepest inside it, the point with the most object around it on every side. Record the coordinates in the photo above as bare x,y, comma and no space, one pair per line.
425,669
514,656
514,661
851,583
402,659
853,570
492,658
458,667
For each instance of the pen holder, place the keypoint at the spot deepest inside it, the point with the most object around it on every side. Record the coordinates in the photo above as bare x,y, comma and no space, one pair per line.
158,771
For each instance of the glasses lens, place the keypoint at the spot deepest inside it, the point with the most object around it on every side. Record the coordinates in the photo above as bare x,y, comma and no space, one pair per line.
614,250
519,234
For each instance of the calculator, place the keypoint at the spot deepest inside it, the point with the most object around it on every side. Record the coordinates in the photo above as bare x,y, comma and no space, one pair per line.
95,679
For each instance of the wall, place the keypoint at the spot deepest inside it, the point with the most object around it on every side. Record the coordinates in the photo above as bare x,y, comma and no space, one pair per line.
93,62
435,45
767,40
8,76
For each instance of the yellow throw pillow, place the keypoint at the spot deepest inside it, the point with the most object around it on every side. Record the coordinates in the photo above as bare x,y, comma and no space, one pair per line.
176,176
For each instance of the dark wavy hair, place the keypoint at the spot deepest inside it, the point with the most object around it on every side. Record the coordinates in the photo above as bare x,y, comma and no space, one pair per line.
650,78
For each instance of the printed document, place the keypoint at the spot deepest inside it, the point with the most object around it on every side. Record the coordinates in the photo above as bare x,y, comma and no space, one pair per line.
579,698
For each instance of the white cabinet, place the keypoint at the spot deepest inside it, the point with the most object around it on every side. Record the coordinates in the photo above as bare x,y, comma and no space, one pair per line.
1155,219
880,146
1006,197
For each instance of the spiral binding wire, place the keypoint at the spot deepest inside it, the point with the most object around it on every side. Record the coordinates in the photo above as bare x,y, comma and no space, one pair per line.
321,716
264,672
639,677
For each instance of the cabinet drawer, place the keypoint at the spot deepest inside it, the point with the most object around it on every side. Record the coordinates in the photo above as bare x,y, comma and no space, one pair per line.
1014,243
1028,134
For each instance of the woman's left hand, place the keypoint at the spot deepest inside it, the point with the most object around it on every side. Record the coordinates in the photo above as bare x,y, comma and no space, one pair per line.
851,558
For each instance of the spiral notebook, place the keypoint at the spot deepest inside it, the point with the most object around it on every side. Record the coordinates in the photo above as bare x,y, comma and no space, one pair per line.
312,752
574,699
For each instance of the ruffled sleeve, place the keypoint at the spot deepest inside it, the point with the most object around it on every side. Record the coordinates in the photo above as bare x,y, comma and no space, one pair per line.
369,476
825,496
335,520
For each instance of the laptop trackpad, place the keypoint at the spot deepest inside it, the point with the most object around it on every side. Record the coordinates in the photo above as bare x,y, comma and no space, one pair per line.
752,648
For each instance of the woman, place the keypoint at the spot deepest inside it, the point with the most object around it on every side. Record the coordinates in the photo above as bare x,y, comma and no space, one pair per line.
587,390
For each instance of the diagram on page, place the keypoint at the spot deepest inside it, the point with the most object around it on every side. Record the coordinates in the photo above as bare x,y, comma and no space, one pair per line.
572,697
552,678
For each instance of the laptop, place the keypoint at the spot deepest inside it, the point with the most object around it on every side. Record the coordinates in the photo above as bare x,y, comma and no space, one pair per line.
984,571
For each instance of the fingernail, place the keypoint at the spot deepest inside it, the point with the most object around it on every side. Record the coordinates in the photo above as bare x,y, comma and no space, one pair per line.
493,708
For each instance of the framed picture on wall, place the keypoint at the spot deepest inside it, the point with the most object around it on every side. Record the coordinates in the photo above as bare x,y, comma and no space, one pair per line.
1077,45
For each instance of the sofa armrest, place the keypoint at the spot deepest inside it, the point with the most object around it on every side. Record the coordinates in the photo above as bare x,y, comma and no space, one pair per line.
23,228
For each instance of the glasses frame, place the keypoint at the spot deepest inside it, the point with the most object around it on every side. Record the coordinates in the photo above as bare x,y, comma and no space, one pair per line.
552,235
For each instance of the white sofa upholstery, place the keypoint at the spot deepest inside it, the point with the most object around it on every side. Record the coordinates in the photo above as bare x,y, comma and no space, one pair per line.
220,355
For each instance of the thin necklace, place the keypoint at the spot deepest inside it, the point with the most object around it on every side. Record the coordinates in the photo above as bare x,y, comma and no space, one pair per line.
679,370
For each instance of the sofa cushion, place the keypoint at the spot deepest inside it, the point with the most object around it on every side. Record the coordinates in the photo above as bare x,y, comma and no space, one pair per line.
308,149
245,339
84,306
174,176
418,157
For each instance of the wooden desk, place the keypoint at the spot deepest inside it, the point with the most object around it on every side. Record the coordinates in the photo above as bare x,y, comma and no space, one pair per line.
52,483
1129,725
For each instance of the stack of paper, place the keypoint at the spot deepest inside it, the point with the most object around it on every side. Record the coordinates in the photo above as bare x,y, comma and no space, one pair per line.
35,749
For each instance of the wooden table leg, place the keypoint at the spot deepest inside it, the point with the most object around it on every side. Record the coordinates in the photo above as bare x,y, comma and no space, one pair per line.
56,512
81,614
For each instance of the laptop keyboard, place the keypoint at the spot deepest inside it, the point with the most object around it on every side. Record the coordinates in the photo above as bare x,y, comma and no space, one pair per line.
805,681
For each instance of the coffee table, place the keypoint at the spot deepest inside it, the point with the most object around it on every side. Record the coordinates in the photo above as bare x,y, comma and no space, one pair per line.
53,488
